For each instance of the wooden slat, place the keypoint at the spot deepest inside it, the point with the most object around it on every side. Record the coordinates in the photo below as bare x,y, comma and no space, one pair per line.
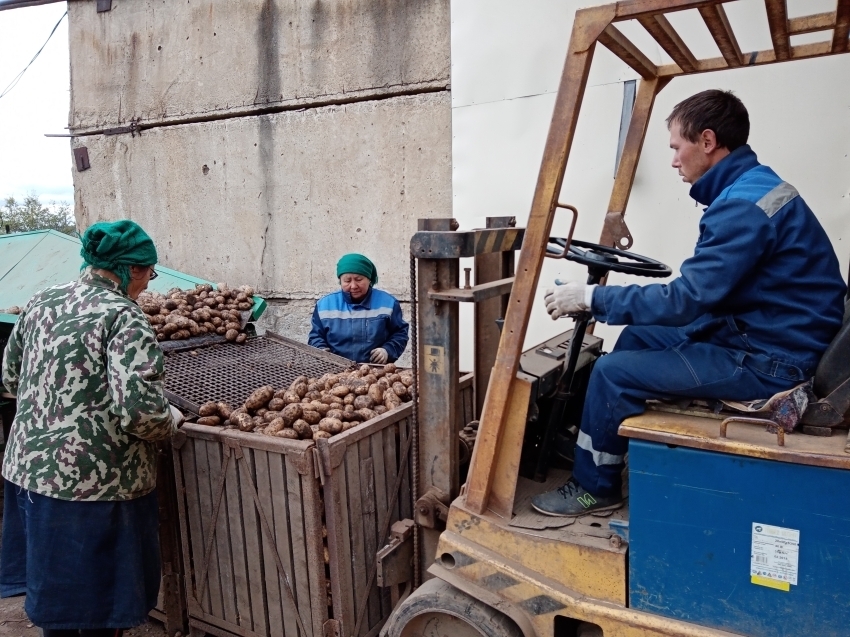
282,533
342,572
381,487
664,33
811,23
253,546
300,542
196,535
222,538
276,605
391,439
842,27
777,20
205,502
311,506
370,526
355,515
613,40
406,494
718,25
183,515
233,509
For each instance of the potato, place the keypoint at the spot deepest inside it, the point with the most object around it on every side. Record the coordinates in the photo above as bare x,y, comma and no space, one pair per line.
216,320
334,413
259,422
328,399
349,399
391,399
363,402
300,389
337,405
400,389
312,417
271,415
231,334
340,391
208,409
241,338
261,411
380,409
361,390
384,384
347,408
291,397
350,424
313,395
221,330
407,380
259,430
293,412
314,386
242,420
303,429
378,373
376,393
390,368
274,426
320,434
393,378
331,380
367,414
290,434
277,404
211,421
331,425
322,408
224,410
260,397
179,335
297,381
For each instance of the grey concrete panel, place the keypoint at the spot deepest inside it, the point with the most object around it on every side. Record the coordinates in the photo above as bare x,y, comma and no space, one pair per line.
153,61
275,200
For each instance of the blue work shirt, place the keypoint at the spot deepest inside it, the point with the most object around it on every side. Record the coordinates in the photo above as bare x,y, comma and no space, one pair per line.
763,278
353,330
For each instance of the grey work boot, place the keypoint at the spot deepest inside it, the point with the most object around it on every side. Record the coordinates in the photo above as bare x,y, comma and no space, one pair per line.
573,500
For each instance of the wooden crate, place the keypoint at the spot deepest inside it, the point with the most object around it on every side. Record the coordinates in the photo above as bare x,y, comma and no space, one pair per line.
248,503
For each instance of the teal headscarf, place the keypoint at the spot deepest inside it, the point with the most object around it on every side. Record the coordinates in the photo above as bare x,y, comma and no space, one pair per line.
357,264
117,245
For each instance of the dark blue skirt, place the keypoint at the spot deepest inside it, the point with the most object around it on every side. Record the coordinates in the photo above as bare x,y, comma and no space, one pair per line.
80,564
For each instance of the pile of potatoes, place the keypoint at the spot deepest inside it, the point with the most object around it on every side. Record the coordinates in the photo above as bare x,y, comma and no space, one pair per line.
181,314
312,408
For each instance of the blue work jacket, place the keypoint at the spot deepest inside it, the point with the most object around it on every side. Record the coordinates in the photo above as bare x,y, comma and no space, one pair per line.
763,278
353,330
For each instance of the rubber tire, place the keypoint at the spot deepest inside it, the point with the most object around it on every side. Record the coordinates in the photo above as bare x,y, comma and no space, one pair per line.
445,610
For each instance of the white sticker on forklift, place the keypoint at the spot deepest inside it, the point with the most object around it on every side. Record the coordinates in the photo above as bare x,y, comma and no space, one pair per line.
775,555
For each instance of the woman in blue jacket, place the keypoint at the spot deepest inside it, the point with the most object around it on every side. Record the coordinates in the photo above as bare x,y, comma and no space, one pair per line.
358,321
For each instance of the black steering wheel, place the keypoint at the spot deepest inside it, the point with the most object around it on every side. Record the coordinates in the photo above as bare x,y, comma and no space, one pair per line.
601,259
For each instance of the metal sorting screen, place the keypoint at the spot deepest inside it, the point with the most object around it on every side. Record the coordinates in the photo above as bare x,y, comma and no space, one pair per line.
231,372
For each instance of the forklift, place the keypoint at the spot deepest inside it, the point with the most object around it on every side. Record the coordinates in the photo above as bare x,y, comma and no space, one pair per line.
712,539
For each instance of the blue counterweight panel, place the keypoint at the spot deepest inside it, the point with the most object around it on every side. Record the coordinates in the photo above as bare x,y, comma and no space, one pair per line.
692,513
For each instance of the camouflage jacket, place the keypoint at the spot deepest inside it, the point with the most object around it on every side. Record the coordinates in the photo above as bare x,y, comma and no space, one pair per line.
87,372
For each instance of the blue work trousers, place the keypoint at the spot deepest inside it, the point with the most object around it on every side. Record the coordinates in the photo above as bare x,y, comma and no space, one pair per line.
662,362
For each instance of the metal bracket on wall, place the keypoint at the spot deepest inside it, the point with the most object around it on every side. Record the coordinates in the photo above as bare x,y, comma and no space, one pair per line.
81,158
104,5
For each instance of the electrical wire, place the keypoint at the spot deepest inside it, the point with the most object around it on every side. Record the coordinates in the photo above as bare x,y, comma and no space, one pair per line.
18,77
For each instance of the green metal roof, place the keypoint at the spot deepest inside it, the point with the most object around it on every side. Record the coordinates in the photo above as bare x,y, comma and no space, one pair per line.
32,261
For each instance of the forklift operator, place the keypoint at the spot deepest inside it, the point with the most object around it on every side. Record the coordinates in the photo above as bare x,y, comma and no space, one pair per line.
750,315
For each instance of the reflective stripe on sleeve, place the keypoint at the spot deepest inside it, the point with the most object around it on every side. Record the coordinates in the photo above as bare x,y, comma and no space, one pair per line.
773,201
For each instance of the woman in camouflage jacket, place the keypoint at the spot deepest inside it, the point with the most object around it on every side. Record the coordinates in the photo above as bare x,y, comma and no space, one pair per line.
80,513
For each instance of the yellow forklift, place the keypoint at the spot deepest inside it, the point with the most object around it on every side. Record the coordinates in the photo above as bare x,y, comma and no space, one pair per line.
712,539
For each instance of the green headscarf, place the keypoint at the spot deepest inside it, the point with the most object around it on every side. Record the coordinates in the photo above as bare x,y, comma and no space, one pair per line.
117,245
357,264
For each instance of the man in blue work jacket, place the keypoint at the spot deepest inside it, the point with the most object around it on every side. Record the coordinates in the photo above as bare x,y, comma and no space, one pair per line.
750,315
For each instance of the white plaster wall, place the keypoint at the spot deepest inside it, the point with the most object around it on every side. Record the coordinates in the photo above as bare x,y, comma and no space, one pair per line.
507,58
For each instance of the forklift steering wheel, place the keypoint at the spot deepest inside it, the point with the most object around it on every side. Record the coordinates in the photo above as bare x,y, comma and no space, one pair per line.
601,259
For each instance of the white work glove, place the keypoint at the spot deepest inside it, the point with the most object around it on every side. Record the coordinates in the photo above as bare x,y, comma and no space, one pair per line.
177,416
568,298
379,356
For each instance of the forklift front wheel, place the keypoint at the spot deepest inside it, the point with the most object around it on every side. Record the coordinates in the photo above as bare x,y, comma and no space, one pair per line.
437,609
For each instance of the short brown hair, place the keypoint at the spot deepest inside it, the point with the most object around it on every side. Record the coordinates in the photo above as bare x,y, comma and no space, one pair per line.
718,111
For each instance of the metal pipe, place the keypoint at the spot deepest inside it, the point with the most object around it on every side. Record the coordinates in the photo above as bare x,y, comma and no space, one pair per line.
20,4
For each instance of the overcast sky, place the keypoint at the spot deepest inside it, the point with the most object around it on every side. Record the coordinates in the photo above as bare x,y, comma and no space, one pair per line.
29,161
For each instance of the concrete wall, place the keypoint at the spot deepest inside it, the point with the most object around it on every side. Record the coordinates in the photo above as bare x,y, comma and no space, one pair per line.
277,135
155,61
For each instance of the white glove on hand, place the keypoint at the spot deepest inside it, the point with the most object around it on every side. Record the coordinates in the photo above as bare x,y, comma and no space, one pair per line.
379,356
568,298
177,416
